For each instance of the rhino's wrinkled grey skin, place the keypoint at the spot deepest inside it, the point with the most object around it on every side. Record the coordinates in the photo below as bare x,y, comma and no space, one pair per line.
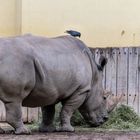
37,71
94,109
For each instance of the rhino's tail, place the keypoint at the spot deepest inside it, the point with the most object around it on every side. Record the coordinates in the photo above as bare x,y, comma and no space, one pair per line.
39,70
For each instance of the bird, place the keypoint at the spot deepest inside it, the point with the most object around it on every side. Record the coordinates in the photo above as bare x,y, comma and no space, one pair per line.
73,33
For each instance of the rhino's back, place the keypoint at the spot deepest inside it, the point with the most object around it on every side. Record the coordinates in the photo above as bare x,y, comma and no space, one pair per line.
61,60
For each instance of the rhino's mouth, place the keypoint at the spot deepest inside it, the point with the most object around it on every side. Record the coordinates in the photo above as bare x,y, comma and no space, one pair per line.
95,124
92,123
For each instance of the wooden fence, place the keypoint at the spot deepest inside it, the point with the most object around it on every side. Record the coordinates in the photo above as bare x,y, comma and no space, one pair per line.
122,73
121,76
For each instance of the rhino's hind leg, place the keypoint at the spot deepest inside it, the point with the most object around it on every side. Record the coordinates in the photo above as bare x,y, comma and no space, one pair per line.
14,117
48,113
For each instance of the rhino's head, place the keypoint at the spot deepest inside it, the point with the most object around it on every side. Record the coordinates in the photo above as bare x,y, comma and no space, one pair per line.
94,109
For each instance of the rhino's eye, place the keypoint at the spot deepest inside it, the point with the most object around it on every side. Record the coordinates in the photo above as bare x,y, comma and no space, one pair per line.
104,98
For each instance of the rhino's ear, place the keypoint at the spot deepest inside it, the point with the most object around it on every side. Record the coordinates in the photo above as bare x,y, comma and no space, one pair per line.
102,62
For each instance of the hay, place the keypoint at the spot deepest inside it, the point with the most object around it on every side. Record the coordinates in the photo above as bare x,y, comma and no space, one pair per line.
123,117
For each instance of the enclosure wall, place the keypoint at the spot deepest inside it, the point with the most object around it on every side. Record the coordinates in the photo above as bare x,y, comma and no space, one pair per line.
102,23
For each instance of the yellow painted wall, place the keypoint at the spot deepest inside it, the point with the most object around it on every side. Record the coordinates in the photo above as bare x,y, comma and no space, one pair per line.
100,21
8,17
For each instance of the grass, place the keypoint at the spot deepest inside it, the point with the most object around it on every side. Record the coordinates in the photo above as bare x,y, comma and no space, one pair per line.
123,118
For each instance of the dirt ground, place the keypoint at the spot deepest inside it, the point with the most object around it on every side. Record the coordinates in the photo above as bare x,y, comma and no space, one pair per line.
77,135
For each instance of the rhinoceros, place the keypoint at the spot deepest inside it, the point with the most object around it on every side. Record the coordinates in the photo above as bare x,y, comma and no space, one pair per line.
37,71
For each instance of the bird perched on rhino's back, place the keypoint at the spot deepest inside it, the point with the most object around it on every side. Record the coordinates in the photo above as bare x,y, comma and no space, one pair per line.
73,33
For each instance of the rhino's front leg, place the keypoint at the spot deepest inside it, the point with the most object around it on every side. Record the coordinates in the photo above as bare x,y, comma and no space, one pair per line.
48,113
14,117
65,117
69,106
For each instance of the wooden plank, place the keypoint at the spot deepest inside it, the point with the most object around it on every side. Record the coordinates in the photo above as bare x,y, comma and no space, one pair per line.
122,73
2,112
24,114
33,115
139,80
133,79
111,67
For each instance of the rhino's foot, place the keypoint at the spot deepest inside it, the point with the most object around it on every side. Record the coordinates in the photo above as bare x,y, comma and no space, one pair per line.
2,131
66,129
22,130
48,128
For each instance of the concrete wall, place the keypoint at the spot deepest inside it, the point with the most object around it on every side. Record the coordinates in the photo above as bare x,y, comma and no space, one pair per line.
102,23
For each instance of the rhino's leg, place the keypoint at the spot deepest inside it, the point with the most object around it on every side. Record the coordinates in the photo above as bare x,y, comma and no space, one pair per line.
48,113
14,117
68,108
1,131
65,117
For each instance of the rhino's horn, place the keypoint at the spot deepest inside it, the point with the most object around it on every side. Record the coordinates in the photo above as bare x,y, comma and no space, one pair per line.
115,100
